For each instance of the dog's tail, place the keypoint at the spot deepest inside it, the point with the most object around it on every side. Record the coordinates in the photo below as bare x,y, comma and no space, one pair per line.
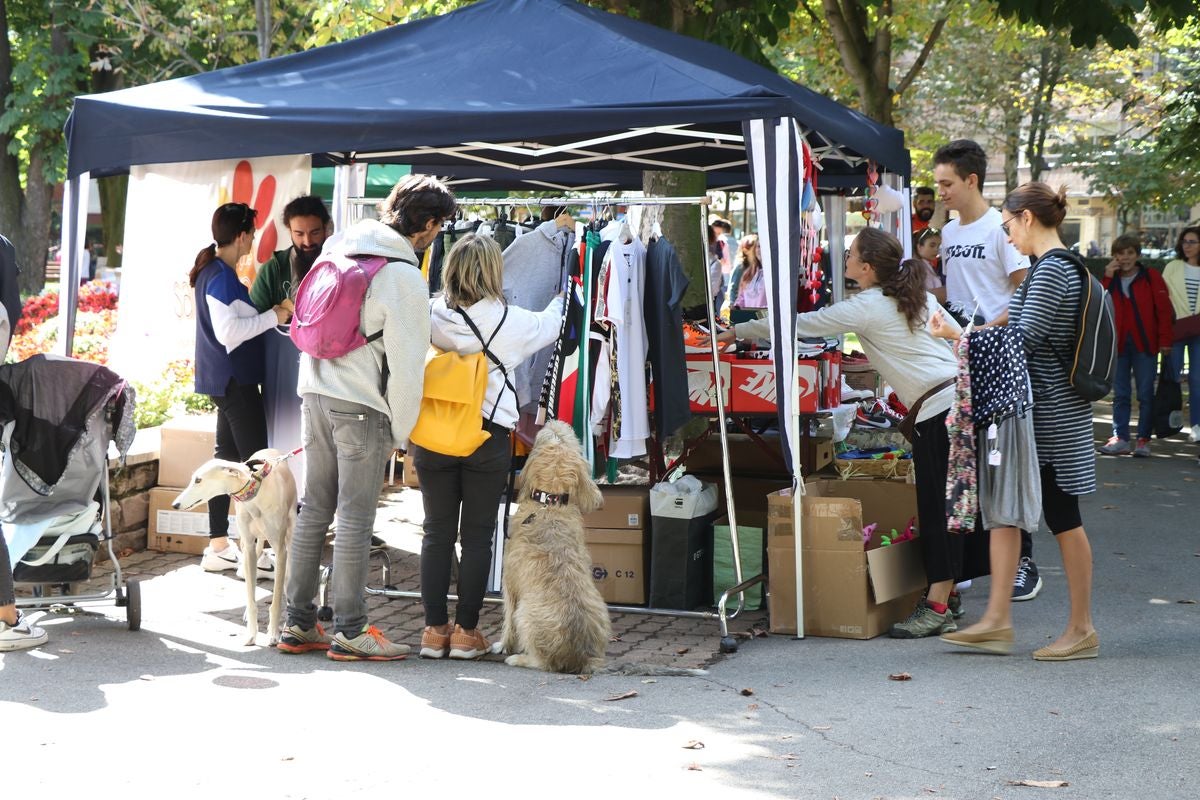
649,670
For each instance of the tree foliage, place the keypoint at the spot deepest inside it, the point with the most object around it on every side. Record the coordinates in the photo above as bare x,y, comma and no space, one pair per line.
1114,21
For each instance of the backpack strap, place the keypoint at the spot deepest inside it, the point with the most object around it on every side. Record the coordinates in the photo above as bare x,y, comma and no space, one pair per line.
490,354
375,336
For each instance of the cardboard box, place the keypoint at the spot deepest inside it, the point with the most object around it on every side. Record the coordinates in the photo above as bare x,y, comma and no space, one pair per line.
171,531
620,564
849,592
748,384
187,442
625,507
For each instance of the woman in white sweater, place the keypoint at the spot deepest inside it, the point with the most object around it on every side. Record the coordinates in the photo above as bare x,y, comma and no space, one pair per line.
1182,277
891,318
461,494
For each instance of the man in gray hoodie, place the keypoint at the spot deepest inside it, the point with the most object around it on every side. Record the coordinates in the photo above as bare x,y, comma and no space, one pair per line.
356,410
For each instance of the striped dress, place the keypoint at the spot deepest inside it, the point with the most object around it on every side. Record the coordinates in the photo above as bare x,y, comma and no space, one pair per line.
1045,308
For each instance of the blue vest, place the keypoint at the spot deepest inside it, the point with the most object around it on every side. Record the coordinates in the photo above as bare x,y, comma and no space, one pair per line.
214,367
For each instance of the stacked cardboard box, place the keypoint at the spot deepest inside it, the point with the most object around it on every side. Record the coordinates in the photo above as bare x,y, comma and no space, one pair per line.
852,590
616,538
187,442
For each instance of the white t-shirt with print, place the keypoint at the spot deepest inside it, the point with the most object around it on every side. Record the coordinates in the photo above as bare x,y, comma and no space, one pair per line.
977,260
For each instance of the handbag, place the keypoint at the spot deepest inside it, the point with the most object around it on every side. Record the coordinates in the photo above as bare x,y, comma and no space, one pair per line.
1168,402
1186,328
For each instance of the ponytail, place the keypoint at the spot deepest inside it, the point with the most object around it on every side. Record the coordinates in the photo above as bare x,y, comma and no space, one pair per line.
903,281
203,259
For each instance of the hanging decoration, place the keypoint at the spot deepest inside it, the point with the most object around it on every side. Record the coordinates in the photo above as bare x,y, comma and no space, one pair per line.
871,201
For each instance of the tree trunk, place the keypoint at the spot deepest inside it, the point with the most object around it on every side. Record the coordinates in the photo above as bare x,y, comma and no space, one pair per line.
1012,147
262,18
35,225
113,192
681,225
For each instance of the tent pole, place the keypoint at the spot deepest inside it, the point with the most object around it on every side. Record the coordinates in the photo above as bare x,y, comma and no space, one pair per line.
349,180
71,254
835,224
730,510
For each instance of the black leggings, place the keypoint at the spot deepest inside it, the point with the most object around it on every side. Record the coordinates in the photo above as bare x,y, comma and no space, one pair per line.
241,432
461,498
8,594
941,551
1060,509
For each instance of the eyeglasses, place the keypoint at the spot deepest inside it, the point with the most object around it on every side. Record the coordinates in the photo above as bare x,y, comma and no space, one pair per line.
1191,241
1005,223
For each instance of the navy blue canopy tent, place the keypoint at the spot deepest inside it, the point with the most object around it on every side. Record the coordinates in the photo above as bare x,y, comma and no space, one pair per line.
515,94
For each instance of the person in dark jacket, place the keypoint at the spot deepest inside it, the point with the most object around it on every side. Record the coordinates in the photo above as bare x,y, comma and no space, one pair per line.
1144,315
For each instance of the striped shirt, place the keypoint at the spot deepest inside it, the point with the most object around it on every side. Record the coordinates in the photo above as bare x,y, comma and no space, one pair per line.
1191,280
1046,309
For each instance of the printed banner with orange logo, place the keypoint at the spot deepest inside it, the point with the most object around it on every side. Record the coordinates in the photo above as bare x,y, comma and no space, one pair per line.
168,220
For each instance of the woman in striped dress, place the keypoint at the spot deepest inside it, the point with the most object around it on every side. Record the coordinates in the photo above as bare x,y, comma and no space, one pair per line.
1044,308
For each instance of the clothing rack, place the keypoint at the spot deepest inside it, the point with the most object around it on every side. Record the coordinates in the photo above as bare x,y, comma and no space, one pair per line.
728,644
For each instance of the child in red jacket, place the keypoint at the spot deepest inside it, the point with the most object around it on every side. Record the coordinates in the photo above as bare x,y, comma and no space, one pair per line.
1144,317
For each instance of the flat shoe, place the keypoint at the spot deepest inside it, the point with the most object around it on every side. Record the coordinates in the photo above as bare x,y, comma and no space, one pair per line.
1087,647
998,641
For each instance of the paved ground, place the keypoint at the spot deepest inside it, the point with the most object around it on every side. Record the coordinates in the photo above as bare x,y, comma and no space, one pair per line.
181,707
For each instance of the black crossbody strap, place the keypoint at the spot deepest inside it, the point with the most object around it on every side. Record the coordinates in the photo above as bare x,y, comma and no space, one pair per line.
490,354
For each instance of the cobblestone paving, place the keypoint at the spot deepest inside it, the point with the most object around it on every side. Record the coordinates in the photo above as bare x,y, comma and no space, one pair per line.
638,638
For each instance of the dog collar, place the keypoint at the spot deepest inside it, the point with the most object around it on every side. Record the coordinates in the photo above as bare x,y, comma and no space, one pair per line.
548,499
250,490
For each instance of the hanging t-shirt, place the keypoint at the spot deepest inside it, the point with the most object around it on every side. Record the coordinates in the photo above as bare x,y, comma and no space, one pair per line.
666,283
622,308
978,260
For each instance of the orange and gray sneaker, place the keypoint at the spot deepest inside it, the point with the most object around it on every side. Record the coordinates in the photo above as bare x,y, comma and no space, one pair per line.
434,644
467,645
370,645
295,639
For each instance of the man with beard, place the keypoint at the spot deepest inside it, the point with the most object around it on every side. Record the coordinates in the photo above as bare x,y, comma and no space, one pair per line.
923,203
307,221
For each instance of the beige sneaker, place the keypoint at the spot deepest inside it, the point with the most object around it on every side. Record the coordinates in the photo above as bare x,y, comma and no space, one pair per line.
466,645
434,644
370,645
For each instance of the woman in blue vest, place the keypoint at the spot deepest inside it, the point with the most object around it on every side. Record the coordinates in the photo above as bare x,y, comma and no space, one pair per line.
229,363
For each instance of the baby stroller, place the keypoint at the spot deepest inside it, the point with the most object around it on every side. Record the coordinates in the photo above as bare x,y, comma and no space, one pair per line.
59,415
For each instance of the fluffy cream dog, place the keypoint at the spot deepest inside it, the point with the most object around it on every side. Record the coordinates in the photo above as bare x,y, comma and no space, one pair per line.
554,617
264,494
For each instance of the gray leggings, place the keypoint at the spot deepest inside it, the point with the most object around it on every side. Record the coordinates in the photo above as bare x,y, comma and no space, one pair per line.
7,594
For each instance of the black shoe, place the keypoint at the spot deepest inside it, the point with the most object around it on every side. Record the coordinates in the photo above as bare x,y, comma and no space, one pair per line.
377,542
1027,584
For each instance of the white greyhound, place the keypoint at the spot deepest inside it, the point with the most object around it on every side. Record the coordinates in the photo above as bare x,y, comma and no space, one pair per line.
264,494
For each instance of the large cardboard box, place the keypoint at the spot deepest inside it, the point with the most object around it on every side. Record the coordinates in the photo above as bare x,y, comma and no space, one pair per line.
620,564
849,592
171,531
624,507
187,442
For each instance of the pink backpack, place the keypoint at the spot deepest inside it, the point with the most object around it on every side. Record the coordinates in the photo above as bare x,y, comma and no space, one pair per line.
326,321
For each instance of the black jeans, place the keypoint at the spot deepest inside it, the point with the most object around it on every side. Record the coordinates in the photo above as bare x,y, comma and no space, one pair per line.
7,591
241,432
461,498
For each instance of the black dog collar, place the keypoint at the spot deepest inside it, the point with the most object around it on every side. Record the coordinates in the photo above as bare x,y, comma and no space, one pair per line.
548,499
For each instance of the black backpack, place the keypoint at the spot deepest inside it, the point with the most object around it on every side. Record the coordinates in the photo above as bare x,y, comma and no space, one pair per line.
1091,365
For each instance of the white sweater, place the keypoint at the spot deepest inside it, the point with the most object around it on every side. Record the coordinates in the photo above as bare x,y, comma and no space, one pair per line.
522,334
913,362
397,304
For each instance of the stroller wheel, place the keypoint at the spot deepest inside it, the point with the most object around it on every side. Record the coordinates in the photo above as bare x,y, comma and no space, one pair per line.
325,613
133,603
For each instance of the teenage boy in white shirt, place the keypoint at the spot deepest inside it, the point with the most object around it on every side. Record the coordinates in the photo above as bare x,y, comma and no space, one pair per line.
981,268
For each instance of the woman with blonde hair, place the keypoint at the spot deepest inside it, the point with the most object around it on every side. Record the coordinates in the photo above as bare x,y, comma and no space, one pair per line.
461,494
748,288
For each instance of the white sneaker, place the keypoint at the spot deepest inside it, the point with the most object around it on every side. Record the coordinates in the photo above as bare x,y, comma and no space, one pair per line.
850,394
21,636
266,567
1194,435
213,561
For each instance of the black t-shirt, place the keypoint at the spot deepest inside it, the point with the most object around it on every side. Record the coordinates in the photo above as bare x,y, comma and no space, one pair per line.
665,285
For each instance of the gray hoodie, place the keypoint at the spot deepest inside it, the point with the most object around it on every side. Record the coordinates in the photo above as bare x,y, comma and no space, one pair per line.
397,304
522,334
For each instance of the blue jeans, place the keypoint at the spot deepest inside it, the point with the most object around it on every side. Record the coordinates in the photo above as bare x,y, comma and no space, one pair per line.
346,446
1142,367
1192,346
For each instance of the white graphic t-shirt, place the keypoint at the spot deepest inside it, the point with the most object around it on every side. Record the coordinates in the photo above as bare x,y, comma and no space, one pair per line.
977,260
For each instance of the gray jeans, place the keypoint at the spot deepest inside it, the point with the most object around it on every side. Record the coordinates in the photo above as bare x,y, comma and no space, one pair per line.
346,447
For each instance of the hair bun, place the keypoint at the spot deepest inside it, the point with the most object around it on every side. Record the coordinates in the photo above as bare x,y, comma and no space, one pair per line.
1061,197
